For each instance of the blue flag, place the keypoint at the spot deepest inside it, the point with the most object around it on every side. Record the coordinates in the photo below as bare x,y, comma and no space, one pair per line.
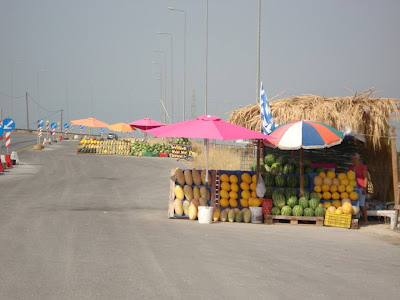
268,124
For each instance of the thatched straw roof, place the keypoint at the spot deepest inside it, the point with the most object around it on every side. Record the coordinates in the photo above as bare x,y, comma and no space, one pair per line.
361,113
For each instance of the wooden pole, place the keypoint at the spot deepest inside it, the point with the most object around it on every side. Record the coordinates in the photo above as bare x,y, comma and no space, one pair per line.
301,173
395,177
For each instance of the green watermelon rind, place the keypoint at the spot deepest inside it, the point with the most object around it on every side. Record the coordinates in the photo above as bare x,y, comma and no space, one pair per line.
308,212
286,210
297,211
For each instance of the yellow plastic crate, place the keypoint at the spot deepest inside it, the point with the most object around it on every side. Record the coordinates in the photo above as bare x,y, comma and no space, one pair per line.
335,220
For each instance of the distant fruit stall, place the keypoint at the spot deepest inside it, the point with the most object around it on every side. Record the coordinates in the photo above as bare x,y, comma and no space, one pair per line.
233,194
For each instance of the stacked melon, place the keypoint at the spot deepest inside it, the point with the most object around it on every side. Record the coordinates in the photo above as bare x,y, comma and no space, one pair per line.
190,192
343,206
232,215
229,190
332,187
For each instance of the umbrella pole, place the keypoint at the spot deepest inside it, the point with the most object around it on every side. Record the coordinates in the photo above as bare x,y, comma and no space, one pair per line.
207,179
258,159
301,173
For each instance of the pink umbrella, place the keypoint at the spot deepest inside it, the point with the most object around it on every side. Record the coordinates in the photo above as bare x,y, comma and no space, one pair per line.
146,123
207,127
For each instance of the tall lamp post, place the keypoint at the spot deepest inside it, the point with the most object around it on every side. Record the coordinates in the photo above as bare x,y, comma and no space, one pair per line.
184,56
160,78
164,83
172,74
38,101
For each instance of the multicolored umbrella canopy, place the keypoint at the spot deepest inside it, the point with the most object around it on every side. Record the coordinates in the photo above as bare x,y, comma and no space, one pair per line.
145,124
297,135
90,122
121,127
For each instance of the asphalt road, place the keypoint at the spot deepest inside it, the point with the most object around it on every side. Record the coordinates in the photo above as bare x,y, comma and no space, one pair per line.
96,227
18,141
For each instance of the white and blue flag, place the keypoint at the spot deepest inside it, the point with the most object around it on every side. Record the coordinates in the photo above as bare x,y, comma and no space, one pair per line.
268,124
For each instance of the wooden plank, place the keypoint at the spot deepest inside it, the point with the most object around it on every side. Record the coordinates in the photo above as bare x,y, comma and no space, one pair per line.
171,194
300,218
394,174
294,220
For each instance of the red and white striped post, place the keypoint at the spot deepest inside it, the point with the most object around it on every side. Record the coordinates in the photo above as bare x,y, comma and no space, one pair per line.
72,127
66,130
47,128
53,133
38,132
8,140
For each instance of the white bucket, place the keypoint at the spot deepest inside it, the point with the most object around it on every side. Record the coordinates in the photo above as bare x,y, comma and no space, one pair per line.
205,214
256,215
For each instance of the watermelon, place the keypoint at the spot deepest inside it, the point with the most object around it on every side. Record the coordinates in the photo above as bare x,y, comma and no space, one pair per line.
313,203
314,195
269,159
319,169
282,160
269,179
285,169
295,163
278,192
290,192
292,201
308,212
262,168
306,194
297,210
286,210
292,181
319,211
267,168
268,192
306,181
308,170
276,168
303,202
280,181
280,201
275,211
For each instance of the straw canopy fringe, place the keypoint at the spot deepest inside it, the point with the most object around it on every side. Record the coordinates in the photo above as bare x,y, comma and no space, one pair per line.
361,113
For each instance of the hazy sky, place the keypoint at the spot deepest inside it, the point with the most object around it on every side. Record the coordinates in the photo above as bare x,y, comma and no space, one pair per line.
101,53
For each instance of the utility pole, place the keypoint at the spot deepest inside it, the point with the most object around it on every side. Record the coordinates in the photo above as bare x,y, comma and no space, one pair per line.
61,125
27,114
193,108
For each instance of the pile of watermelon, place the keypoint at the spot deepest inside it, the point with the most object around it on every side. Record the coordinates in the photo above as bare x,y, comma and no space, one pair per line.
287,203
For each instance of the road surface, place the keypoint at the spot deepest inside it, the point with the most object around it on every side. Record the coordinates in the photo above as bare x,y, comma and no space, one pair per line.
95,227
18,141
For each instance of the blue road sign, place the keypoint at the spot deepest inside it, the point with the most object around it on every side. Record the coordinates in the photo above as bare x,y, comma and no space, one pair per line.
102,130
66,125
8,125
1,129
80,126
41,122
53,125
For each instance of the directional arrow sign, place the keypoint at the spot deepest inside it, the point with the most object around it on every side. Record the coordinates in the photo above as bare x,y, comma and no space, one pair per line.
53,125
66,125
102,130
80,126
41,122
1,129
8,125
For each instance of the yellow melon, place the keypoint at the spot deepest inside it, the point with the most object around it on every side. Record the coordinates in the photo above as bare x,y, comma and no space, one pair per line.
320,195
353,183
335,181
349,188
351,175
327,181
224,202
253,186
326,195
317,189
341,188
344,195
345,200
233,203
234,187
354,210
245,195
246,178
341,176
253,194
338,211
333,189
317,180
325,188
344,182
254,178
335,196
225,186
244,186
244,202
347,208
327,204
336,203
233,179
233,195
224,177
353,196
331,209
330,174
322,174
223,194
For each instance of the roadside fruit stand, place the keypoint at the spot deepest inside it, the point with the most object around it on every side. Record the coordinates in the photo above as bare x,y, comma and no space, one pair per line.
329,198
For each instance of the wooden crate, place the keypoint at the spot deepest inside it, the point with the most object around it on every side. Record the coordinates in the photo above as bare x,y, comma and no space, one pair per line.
171,210
294,220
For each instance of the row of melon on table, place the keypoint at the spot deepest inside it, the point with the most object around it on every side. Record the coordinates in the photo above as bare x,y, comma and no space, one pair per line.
190,209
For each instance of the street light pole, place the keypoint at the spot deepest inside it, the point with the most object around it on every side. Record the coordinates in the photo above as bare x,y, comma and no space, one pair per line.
184,56
164,84
38,101
160,78
258,53
172,74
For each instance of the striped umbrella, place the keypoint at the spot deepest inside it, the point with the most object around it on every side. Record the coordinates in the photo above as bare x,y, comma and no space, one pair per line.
301,135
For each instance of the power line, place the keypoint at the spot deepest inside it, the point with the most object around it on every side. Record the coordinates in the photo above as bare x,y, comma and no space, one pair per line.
50,111
4,94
